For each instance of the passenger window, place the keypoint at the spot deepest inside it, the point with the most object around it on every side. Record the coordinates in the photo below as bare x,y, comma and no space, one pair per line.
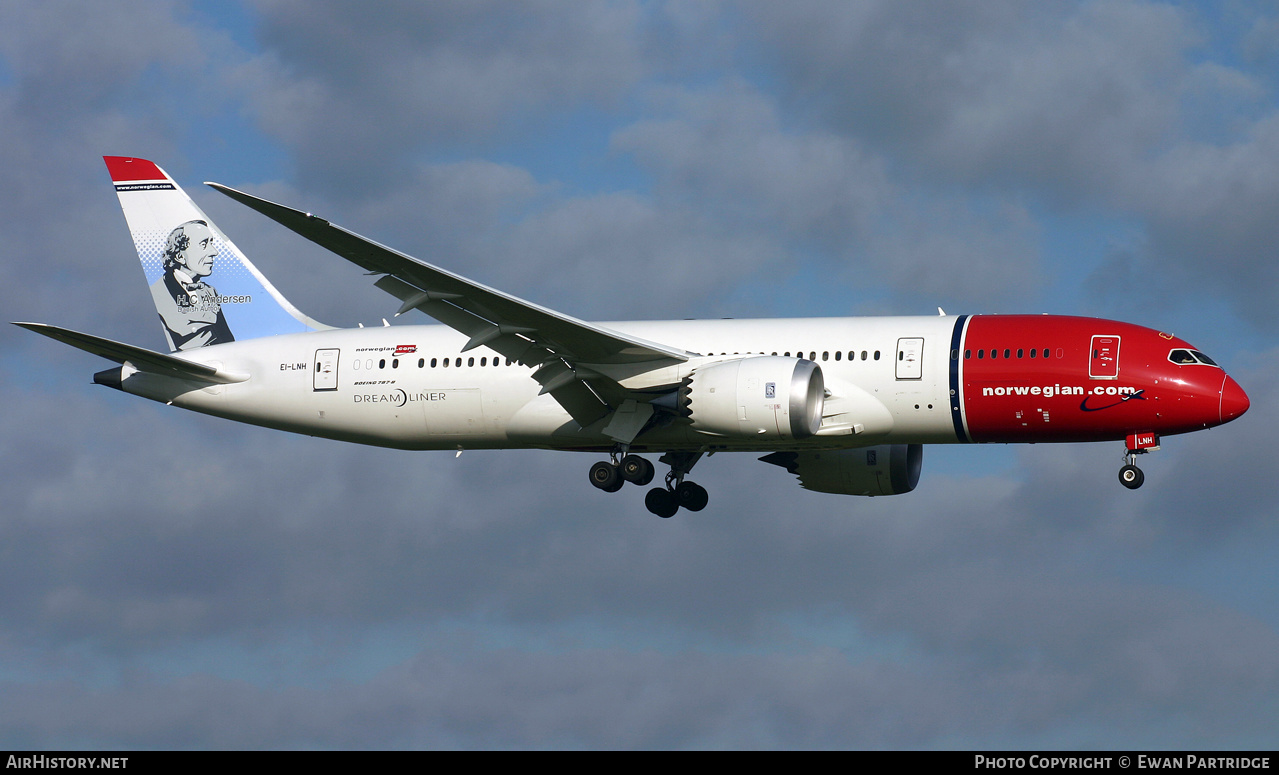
470,361
395,363
968,354
825,356
1020,352
381,364
877,355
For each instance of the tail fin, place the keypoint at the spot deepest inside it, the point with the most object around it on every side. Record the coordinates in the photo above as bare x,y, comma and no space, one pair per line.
184,254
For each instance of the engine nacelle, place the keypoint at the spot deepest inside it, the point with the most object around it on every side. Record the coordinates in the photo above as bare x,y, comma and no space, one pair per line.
887,469
764,397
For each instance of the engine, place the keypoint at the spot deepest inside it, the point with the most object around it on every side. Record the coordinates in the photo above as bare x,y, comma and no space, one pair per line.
887,469
764,397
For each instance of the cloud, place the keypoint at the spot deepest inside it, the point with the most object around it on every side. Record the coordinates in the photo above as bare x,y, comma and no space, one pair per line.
357,91
728,152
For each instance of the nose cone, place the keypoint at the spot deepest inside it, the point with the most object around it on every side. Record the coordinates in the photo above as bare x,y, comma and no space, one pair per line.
1234,401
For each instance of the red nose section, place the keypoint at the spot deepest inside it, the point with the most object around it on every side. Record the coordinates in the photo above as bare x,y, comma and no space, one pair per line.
1234,401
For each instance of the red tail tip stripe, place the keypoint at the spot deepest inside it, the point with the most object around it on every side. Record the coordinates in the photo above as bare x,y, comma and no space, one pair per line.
124,168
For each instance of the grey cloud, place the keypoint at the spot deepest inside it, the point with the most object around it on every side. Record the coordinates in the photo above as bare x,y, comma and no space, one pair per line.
727,149
1053,97
357,91
727,152
68,57
1076,105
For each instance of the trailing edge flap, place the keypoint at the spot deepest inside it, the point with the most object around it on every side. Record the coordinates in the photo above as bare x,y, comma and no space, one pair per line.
486,315
141,359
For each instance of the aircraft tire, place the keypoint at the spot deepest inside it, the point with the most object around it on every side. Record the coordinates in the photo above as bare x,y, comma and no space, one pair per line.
1131,476
692,496
661,502
637,470
606,476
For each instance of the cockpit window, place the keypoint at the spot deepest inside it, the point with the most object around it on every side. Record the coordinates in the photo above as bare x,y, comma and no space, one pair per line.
1190,356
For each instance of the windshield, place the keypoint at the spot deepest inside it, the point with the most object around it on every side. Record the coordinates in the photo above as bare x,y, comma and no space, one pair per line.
1184,356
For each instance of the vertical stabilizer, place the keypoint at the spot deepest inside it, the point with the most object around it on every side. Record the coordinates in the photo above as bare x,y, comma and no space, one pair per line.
205,290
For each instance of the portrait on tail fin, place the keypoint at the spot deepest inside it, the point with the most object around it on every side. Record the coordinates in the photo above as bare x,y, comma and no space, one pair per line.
189,307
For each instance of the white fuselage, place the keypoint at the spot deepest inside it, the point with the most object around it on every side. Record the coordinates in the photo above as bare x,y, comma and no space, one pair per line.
412,387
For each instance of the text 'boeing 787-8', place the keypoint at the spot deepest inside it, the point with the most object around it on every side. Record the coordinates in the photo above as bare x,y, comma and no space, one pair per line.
844,403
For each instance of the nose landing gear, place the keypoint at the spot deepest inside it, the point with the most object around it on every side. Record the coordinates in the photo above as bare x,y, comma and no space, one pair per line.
1130,475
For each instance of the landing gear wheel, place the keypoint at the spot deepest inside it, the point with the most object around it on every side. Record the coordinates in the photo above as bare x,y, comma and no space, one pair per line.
661,502
691,496
636,470
606,476
1131,476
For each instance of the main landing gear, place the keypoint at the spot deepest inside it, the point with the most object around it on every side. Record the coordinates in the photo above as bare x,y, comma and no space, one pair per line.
610,475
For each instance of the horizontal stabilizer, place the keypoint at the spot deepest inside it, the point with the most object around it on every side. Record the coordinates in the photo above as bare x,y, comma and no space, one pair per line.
140,358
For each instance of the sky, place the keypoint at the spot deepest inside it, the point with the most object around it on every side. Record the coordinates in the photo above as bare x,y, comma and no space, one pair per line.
169,580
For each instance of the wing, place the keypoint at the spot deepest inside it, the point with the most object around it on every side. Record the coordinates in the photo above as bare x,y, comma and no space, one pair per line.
561,348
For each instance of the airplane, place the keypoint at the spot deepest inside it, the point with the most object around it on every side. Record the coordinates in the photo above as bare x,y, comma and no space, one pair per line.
845,404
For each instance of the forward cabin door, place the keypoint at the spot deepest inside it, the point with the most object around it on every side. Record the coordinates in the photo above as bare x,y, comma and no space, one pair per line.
1103,360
